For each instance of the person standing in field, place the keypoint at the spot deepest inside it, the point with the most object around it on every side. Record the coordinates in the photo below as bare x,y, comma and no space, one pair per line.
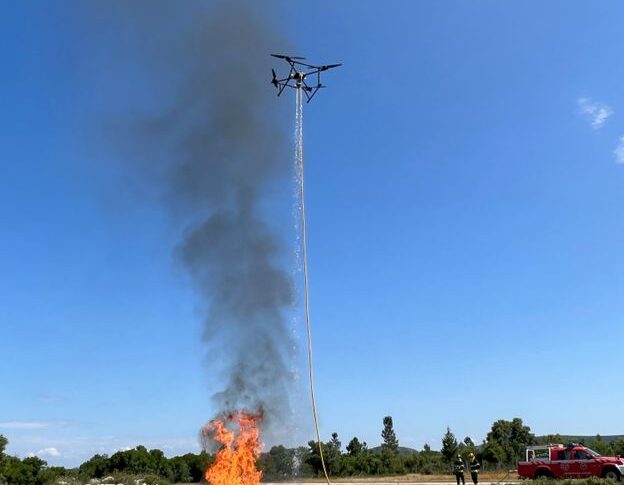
458,469
475,468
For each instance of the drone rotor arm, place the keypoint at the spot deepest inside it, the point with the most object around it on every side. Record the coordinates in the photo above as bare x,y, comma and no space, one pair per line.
312,66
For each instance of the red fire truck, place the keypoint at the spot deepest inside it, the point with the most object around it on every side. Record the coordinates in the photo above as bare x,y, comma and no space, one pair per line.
569,461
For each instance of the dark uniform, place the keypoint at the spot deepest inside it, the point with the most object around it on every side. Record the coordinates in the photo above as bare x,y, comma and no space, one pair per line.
475,467
458,468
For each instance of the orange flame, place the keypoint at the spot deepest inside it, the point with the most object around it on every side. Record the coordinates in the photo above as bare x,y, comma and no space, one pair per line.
235,463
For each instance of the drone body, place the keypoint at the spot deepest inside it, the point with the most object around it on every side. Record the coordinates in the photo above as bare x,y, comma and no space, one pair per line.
299,72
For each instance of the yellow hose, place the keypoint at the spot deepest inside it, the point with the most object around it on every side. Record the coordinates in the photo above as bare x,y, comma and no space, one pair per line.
299,134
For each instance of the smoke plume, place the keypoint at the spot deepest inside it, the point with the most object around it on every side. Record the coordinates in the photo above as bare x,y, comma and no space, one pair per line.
220,147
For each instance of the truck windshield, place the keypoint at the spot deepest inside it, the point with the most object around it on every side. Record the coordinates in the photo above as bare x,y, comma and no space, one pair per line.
592,452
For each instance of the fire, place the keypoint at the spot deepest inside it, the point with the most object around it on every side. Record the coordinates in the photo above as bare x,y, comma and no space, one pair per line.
235,463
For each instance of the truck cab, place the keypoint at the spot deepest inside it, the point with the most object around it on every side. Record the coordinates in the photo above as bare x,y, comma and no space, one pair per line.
569,461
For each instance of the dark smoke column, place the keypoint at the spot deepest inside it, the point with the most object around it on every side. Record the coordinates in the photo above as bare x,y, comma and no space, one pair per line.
221,148
229,150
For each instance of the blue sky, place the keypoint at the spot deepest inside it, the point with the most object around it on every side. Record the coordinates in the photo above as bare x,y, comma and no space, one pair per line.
465,179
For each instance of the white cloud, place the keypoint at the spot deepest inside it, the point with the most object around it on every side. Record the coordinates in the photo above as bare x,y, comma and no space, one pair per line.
48,452
619,151
595,112
24,425
45,452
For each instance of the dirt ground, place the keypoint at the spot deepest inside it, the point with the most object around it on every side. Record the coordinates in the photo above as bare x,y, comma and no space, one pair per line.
484,479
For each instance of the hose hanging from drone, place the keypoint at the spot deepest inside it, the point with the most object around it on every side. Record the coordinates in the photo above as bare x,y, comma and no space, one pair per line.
299,155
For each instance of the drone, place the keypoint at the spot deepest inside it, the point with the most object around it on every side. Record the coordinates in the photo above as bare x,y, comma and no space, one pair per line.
299,72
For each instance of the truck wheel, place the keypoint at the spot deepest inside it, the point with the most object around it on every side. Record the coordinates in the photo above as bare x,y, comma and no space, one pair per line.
611,474
542,474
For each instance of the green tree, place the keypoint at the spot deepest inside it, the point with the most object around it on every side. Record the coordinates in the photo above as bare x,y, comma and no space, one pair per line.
411,463
390,441
29,471
160,465
95,467
355,447
430,461
181,470
550,438
197,464
120,461
390,462
138,460
508,439
3,443
617,447
367,463
599,445
449,446
333,458
493,453
331,455
301,467
278,463
313,457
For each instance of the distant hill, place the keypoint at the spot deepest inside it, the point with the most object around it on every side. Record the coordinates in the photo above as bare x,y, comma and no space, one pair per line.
403,450
565,438
562,438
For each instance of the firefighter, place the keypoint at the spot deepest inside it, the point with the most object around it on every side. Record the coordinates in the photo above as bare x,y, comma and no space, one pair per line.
475,467
458,468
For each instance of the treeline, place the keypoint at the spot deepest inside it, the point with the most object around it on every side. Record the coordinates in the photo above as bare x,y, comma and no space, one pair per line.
498,451
502,448
31,470
152,465
28,471
139,461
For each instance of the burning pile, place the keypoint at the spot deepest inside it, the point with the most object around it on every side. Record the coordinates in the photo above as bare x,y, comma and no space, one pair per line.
235,463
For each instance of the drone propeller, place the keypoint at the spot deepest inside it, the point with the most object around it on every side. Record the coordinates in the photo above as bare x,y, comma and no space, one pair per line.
282,56
274,80
330,66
